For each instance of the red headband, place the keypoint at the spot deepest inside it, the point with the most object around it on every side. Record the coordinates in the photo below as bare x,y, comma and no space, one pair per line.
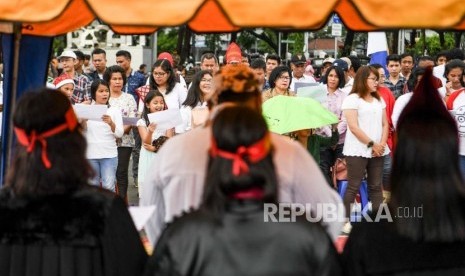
254,153
29,141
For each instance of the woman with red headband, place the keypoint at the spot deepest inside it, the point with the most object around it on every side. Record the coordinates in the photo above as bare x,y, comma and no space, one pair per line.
228,234
52,222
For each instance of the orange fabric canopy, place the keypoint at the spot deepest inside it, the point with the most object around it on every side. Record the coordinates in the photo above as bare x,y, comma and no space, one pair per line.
55,17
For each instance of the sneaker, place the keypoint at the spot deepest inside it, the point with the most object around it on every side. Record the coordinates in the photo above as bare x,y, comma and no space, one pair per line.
346,228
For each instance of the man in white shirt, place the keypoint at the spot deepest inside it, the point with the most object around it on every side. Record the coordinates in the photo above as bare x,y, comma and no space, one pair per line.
175,181
298,68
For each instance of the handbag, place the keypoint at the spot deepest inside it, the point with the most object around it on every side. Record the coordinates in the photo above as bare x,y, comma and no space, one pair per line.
157,143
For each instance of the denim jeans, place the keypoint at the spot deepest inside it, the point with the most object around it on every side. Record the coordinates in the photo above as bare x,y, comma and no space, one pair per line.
105,171
387,172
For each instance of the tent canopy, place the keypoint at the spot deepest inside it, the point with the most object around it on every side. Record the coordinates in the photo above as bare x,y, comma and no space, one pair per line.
55,17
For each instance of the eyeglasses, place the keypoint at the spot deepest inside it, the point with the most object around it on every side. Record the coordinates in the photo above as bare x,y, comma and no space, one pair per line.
206,80
373,79
158,74
284,78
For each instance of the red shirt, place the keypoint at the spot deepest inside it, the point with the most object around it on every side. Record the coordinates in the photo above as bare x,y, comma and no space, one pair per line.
389,100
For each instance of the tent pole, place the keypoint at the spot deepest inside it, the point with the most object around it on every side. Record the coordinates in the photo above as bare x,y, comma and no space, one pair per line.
14,90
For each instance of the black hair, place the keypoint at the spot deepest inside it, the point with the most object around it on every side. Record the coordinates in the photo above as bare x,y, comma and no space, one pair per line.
195,95
98,51
442,53
114,69
79,54
455,53
434,183
277,72
94,87
413,78
234,127
258,63
392,57
407,54
208,55
454,63
356,63
273,57
148,98
167,68
40,111
339,73
124,53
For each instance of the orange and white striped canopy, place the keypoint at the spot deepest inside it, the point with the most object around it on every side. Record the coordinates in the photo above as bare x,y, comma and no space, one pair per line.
55,17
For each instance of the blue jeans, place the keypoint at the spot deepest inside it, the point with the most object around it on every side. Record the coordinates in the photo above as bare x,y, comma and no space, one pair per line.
387,172
105,171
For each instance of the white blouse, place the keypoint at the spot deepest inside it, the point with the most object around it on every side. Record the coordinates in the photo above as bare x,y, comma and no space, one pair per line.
370,120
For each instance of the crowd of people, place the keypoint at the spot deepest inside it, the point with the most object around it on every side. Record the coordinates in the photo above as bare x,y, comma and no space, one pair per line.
210,177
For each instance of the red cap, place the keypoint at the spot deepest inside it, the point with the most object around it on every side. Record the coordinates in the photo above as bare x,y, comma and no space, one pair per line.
233,53
167,56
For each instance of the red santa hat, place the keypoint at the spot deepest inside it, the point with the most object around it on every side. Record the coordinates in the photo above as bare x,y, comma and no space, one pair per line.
233,53
62,80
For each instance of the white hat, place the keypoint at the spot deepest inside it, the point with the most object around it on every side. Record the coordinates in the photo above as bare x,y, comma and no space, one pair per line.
67,53
328,60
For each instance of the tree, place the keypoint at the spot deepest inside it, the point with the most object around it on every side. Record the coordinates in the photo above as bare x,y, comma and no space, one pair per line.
433,44
167,39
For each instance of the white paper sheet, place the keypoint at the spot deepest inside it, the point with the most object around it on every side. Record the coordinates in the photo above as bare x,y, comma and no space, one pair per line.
92,112
166,119
130,121
315,92
140,215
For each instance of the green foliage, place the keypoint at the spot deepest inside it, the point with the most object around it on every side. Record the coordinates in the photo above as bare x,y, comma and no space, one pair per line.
167,40
246,41
58,45
433,45
298,45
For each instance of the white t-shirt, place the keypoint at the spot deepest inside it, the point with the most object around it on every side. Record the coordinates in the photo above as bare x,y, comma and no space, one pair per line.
370,120
101,141
459,107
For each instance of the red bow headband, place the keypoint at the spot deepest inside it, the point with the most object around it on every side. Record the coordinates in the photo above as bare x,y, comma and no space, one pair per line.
29,141
254,153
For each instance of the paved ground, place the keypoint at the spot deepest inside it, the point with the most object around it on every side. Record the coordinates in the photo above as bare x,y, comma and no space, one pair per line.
133,198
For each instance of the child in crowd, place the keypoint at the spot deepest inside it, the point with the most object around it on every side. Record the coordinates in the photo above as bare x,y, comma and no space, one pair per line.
102,152
65,84
152,137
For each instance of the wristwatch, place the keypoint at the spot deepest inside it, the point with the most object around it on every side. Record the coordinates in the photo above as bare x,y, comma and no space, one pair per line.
370,144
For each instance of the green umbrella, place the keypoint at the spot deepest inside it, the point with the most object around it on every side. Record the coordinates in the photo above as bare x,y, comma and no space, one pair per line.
286,114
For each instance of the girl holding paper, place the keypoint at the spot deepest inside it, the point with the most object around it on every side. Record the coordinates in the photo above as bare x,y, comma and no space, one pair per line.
102,152
152,138
194,110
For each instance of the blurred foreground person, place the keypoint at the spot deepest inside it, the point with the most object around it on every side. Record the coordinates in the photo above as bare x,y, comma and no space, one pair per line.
423,231
175,181
53,223
228,234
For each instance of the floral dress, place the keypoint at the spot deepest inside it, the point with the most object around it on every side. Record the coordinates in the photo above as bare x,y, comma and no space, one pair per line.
128,107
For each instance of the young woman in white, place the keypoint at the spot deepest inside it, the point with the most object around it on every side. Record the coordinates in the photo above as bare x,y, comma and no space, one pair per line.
154,102
101,138
199,90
